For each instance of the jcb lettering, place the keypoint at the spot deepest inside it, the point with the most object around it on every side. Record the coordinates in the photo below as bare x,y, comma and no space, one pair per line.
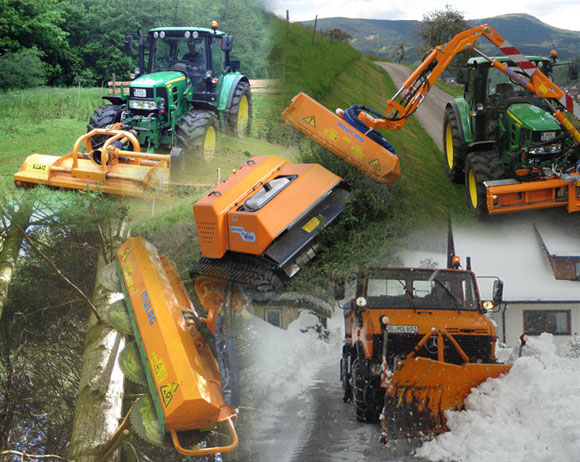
148,308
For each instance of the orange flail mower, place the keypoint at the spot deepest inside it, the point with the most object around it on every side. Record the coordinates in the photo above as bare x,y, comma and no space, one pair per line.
372,156
104,165
176,345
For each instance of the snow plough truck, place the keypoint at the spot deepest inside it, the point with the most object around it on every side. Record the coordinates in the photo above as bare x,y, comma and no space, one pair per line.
182,355
508,138
417,340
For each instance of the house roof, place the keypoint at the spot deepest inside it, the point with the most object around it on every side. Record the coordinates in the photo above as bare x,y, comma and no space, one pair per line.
511,251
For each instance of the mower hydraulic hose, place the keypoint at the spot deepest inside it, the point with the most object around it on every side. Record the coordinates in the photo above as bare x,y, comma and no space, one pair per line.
351,116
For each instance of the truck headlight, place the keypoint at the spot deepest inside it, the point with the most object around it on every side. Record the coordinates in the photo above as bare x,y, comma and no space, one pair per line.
546,149
142,104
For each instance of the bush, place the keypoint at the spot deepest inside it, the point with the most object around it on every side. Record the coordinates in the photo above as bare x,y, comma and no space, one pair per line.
22,69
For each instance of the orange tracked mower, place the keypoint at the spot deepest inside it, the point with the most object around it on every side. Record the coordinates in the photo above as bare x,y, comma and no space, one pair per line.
259,225
177,352
417,341
104,165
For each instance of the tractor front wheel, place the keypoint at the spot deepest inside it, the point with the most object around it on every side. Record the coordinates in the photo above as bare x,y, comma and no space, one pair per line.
198,131
103,117
239,114
480,167
453,147
367,395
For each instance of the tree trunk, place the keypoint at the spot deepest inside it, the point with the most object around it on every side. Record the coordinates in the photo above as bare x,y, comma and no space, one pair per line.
11,247
100,396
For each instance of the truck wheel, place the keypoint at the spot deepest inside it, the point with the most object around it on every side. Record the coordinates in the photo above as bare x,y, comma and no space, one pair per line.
479,167
453,147
367,395
345,377
239,114
103,117
198,131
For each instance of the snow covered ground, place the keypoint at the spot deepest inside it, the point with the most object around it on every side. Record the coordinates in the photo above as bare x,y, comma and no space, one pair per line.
530,414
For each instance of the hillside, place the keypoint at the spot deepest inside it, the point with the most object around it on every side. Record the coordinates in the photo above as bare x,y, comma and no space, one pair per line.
380,37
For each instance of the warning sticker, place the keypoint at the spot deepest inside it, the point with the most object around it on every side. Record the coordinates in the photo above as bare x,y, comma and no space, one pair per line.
376,164
158,367
168,392
310,121
331,133
311,225
357,151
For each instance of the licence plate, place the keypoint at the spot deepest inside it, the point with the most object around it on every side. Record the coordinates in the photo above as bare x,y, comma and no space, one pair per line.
139,92
402,329
547,136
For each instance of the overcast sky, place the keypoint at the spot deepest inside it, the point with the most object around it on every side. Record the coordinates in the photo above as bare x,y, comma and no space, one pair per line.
564,14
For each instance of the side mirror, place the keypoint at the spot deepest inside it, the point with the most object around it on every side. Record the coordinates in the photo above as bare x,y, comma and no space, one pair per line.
235,65
497,291
573,71
128,42
227,43
463,75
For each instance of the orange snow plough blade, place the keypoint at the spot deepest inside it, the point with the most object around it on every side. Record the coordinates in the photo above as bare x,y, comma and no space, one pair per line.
108,168
422,389
181,369
342,139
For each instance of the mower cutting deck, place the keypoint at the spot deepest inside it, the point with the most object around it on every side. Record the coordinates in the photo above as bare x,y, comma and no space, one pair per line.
105,165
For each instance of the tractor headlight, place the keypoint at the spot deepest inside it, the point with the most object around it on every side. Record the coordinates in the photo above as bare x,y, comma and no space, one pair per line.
546,149
142,104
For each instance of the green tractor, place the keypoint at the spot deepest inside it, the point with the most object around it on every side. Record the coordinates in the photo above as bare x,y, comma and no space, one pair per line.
499,131
185,92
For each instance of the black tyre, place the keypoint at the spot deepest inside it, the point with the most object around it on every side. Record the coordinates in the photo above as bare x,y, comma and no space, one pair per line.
197,131
479,167
454,147
239,114
367,395
345,376
103,117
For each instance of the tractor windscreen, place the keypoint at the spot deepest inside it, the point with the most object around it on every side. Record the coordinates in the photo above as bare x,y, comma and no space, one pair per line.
420,289
178,54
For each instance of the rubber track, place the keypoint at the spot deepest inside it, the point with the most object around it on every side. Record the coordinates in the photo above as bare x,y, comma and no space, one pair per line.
248,274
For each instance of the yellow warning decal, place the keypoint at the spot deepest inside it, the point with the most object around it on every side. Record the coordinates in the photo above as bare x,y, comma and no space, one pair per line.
128,272
357,151
124,254
311,225
158,367
167,392
331,133
376,164
310,121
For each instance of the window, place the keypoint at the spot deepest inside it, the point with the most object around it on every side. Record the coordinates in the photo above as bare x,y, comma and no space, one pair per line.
555,322
274,317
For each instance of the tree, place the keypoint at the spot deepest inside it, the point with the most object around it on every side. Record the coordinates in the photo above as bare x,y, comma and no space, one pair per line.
401,51
438,27
339,35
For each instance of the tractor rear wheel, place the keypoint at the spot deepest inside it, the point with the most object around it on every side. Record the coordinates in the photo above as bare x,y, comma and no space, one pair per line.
453,147
367,395
239,115
481,166
103,117
197,131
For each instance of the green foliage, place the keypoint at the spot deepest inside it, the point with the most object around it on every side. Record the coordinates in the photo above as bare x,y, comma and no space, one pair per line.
22,69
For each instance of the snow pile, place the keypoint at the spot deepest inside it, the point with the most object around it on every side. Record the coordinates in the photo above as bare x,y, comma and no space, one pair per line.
287,361
530,414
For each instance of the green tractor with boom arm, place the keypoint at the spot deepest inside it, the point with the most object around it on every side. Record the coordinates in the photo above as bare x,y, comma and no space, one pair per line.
187,90
501,133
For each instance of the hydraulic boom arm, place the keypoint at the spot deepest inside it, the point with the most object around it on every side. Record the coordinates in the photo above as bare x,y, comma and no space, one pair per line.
415,88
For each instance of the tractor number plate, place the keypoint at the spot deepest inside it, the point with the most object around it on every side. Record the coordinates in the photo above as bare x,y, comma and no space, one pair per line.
402,329
139,92
547,136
